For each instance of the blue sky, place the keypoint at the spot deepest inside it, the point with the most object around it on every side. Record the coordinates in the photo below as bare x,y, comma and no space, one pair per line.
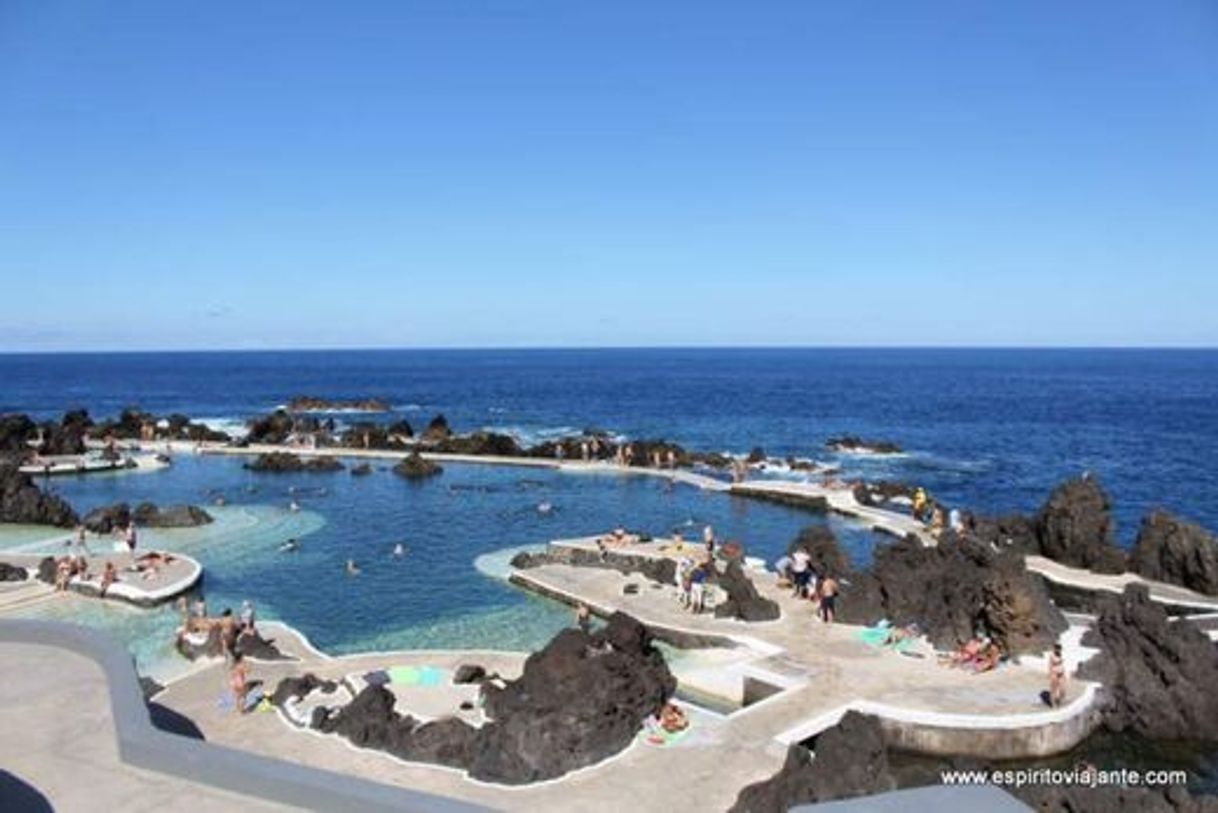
304,174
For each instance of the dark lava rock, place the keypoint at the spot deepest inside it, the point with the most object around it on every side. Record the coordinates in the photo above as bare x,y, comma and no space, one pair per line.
643,453
12,573
22,501
715,460
171,516
581,699
950,590
15,432
46,569
370,721
437,429
826,556
108,518
297,688
658,570
277,427
1158,675
1075,527
851,760
469,673
211,648
361,469
366,435
853,443
181,427
287,462
481,443
1172,550
149,687
882,491
791,499
743,601
68,436
311,403
252,645
959,586
415,467
1013,532
630,589
757,455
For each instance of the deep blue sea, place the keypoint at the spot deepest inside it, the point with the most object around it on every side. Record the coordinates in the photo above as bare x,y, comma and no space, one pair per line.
992,429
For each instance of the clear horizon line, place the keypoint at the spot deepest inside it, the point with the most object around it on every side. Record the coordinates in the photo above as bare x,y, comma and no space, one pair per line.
606,347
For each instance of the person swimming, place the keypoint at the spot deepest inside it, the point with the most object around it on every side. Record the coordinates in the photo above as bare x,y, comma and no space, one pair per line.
351,568
399,550
293,506
544,507
291,546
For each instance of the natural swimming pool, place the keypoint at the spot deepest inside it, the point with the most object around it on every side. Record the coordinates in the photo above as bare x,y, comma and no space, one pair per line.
433,596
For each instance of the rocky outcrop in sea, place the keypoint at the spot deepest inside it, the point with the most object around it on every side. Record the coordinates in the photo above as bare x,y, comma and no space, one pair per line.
288,462
366,435
854,443
416,467
480,443
22,501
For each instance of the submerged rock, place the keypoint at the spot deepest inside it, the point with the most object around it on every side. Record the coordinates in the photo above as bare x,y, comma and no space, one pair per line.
416,467
1172,550
1158,675
851,760
279,462
1075,527
743,601
22,501
361,469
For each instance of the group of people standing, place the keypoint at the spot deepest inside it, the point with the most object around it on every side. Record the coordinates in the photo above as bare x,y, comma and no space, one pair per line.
822,588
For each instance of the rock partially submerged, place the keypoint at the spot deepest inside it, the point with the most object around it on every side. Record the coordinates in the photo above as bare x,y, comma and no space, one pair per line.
110,518
493,444
851,760
22,501
1158,674
855,444
361,469
437,429
416,467
279,462
580,699
312,403
394,436
1172,550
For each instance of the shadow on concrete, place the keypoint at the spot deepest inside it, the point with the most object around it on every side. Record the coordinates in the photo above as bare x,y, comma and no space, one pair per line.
171,722
18,796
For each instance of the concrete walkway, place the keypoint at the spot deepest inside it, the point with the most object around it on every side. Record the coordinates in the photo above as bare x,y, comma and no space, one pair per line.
1080,579
59,737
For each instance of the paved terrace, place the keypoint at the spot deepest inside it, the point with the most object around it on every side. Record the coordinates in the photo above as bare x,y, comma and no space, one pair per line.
840,500
824,671
1080,579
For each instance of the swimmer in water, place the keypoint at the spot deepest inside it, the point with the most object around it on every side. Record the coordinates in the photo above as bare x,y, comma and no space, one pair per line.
291,546
399,550
352,570
293,506
544,507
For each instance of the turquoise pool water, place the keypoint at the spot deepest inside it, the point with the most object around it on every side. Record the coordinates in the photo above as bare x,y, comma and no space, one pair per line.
443,594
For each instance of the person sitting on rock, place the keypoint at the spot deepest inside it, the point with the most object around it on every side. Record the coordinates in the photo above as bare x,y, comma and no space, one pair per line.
965,654
672,718
988,659
109,577
63,573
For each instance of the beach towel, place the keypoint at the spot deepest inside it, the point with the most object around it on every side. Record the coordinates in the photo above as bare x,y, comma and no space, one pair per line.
658,737
877,638
427,676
